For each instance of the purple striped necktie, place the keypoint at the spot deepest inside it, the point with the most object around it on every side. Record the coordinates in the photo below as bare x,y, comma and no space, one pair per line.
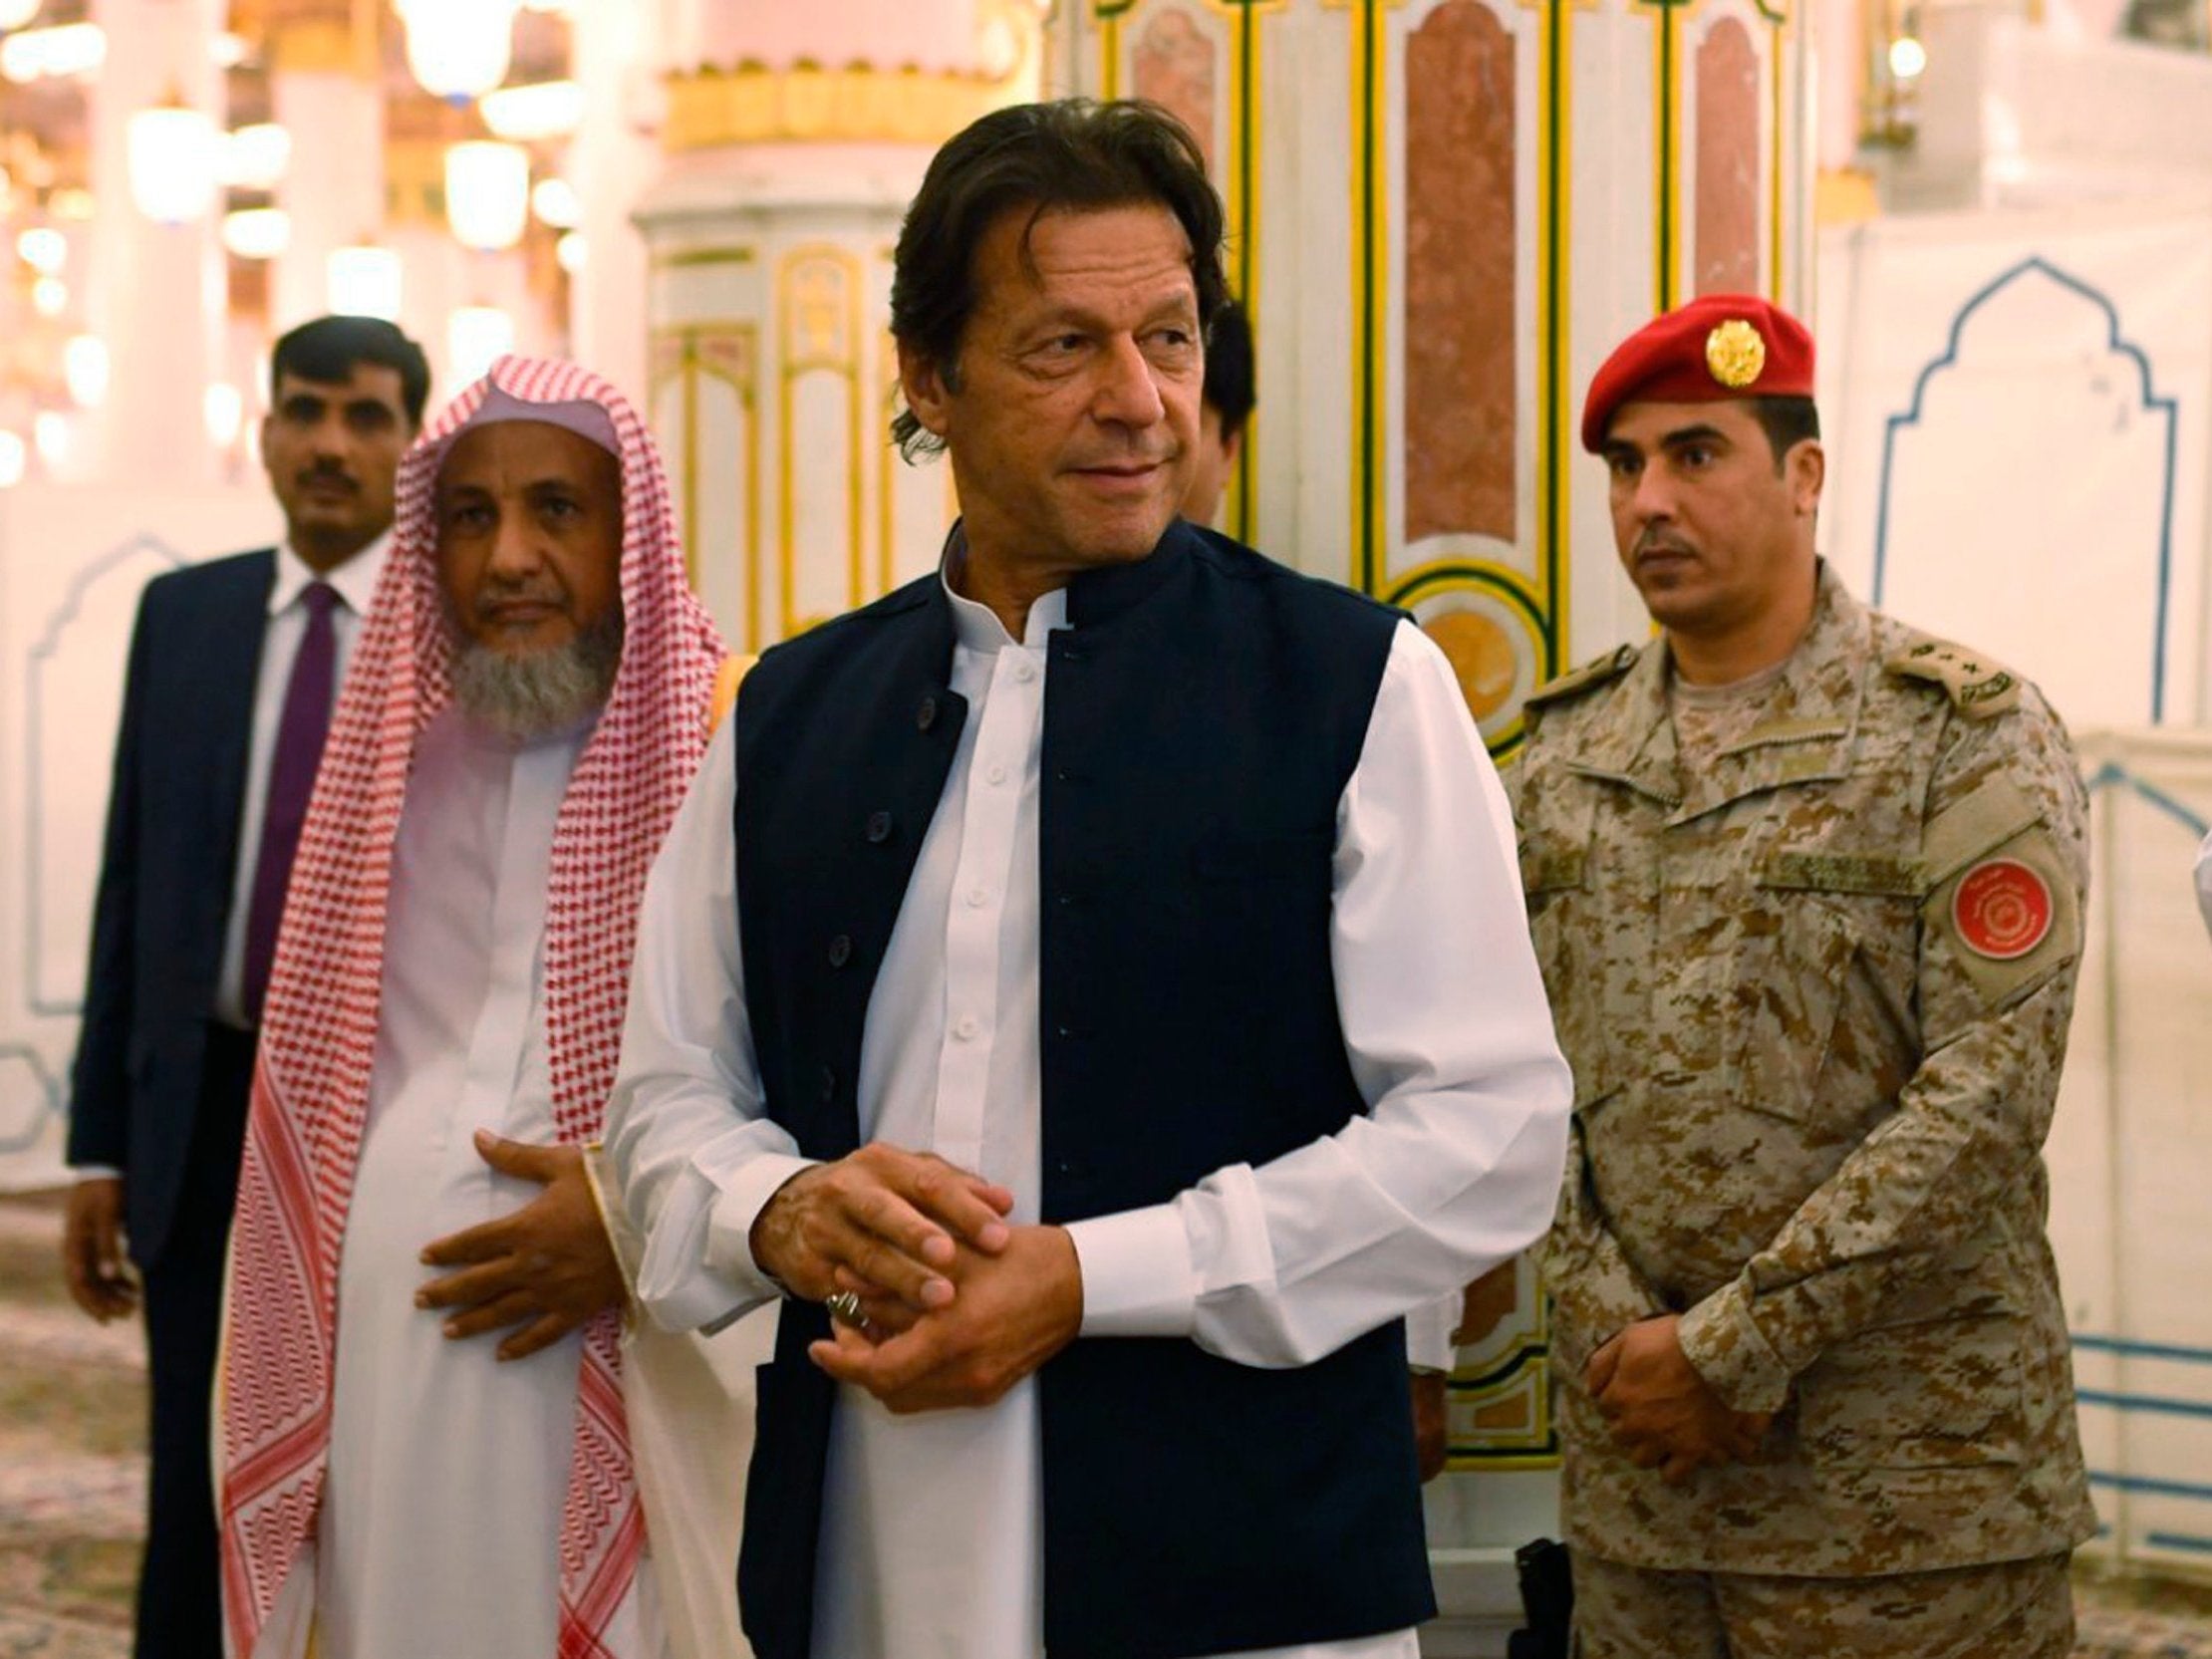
299,749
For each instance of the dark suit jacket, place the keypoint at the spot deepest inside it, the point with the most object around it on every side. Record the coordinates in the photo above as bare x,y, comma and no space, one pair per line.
166,881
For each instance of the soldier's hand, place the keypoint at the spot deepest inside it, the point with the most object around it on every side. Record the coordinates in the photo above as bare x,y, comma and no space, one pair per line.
1663,1413
1430,1423
884,1221
91,1250
549,1266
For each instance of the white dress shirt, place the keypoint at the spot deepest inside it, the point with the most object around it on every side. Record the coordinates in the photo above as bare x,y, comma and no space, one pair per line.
356,584
931,1530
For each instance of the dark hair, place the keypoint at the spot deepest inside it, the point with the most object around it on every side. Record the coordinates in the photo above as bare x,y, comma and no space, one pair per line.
1073,152
329,348
1787,422
1229,377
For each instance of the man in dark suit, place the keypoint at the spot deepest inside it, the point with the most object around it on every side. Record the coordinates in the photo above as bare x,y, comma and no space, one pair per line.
233,668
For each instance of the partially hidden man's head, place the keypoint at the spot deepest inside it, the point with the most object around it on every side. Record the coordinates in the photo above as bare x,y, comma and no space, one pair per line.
1051,292
1223,409
346,397
528,515
1712,445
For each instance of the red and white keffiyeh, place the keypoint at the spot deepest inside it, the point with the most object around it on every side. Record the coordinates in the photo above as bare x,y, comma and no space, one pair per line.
317,1037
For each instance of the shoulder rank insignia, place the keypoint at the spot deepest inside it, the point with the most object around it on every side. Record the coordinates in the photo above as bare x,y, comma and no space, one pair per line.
1978,687
1596,672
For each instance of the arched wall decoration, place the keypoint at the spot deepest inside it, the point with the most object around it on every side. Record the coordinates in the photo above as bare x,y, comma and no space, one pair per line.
2164,409
135,562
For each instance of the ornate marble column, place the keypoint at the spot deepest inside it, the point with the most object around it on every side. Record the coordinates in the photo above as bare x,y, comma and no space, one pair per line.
328,93
157,298
610,160
1513,185
794,137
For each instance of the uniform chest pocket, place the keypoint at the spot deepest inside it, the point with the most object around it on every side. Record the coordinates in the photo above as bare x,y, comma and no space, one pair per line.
1817,926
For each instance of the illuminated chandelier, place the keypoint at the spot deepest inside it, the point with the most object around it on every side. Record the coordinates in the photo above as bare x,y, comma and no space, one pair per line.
460,48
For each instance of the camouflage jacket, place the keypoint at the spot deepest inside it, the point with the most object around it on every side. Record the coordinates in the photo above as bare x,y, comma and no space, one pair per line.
1815,997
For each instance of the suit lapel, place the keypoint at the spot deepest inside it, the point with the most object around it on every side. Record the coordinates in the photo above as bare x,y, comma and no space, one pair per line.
237,617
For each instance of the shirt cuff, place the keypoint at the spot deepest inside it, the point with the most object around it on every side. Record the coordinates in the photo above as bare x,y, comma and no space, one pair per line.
1137,1277
744,1192
1429,1329
625,1240
1725,1346
96,1172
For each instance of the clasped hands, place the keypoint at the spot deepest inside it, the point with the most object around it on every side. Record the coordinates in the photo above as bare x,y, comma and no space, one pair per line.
1663,1413
958,1307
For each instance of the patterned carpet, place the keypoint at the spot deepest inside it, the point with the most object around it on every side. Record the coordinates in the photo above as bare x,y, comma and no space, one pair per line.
73,1483
72,1455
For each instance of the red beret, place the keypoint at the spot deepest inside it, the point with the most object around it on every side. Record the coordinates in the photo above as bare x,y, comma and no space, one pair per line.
1717,347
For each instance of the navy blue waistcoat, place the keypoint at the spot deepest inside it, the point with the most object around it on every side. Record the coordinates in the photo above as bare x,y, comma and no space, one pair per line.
1203,714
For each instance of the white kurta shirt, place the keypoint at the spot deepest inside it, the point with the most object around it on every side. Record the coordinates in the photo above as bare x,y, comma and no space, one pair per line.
932,1539
447,1468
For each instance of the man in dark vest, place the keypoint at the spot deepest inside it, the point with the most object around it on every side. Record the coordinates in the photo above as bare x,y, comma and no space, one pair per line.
1089,984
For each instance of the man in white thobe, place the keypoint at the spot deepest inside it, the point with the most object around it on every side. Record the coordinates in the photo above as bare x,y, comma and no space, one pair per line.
525,711
1096,976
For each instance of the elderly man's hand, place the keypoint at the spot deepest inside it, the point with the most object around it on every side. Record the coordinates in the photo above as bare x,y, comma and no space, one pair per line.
91,1250
1662,1411
886,1220
1014,1311
548,1267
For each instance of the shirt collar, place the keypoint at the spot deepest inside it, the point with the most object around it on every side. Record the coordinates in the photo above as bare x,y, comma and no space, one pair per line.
354,580
976,626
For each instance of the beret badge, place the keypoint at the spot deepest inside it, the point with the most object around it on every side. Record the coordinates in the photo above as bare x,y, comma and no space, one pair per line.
1735,354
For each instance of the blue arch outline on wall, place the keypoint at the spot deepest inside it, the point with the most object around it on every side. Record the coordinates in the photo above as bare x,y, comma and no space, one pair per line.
33,758
48,1087
2168,407
47,1084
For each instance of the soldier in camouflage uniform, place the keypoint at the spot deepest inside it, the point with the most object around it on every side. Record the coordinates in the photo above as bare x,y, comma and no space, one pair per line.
1807,887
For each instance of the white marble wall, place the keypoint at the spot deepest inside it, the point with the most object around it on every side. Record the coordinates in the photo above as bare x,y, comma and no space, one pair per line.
2129,1159
71,564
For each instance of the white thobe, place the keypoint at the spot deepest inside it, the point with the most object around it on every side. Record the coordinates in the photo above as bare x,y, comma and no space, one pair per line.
931,1533
448,1470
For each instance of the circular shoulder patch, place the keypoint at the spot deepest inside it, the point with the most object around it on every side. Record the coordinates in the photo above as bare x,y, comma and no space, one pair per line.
2001,909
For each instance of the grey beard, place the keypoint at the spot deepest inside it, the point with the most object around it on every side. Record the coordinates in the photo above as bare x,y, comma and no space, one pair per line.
522,697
